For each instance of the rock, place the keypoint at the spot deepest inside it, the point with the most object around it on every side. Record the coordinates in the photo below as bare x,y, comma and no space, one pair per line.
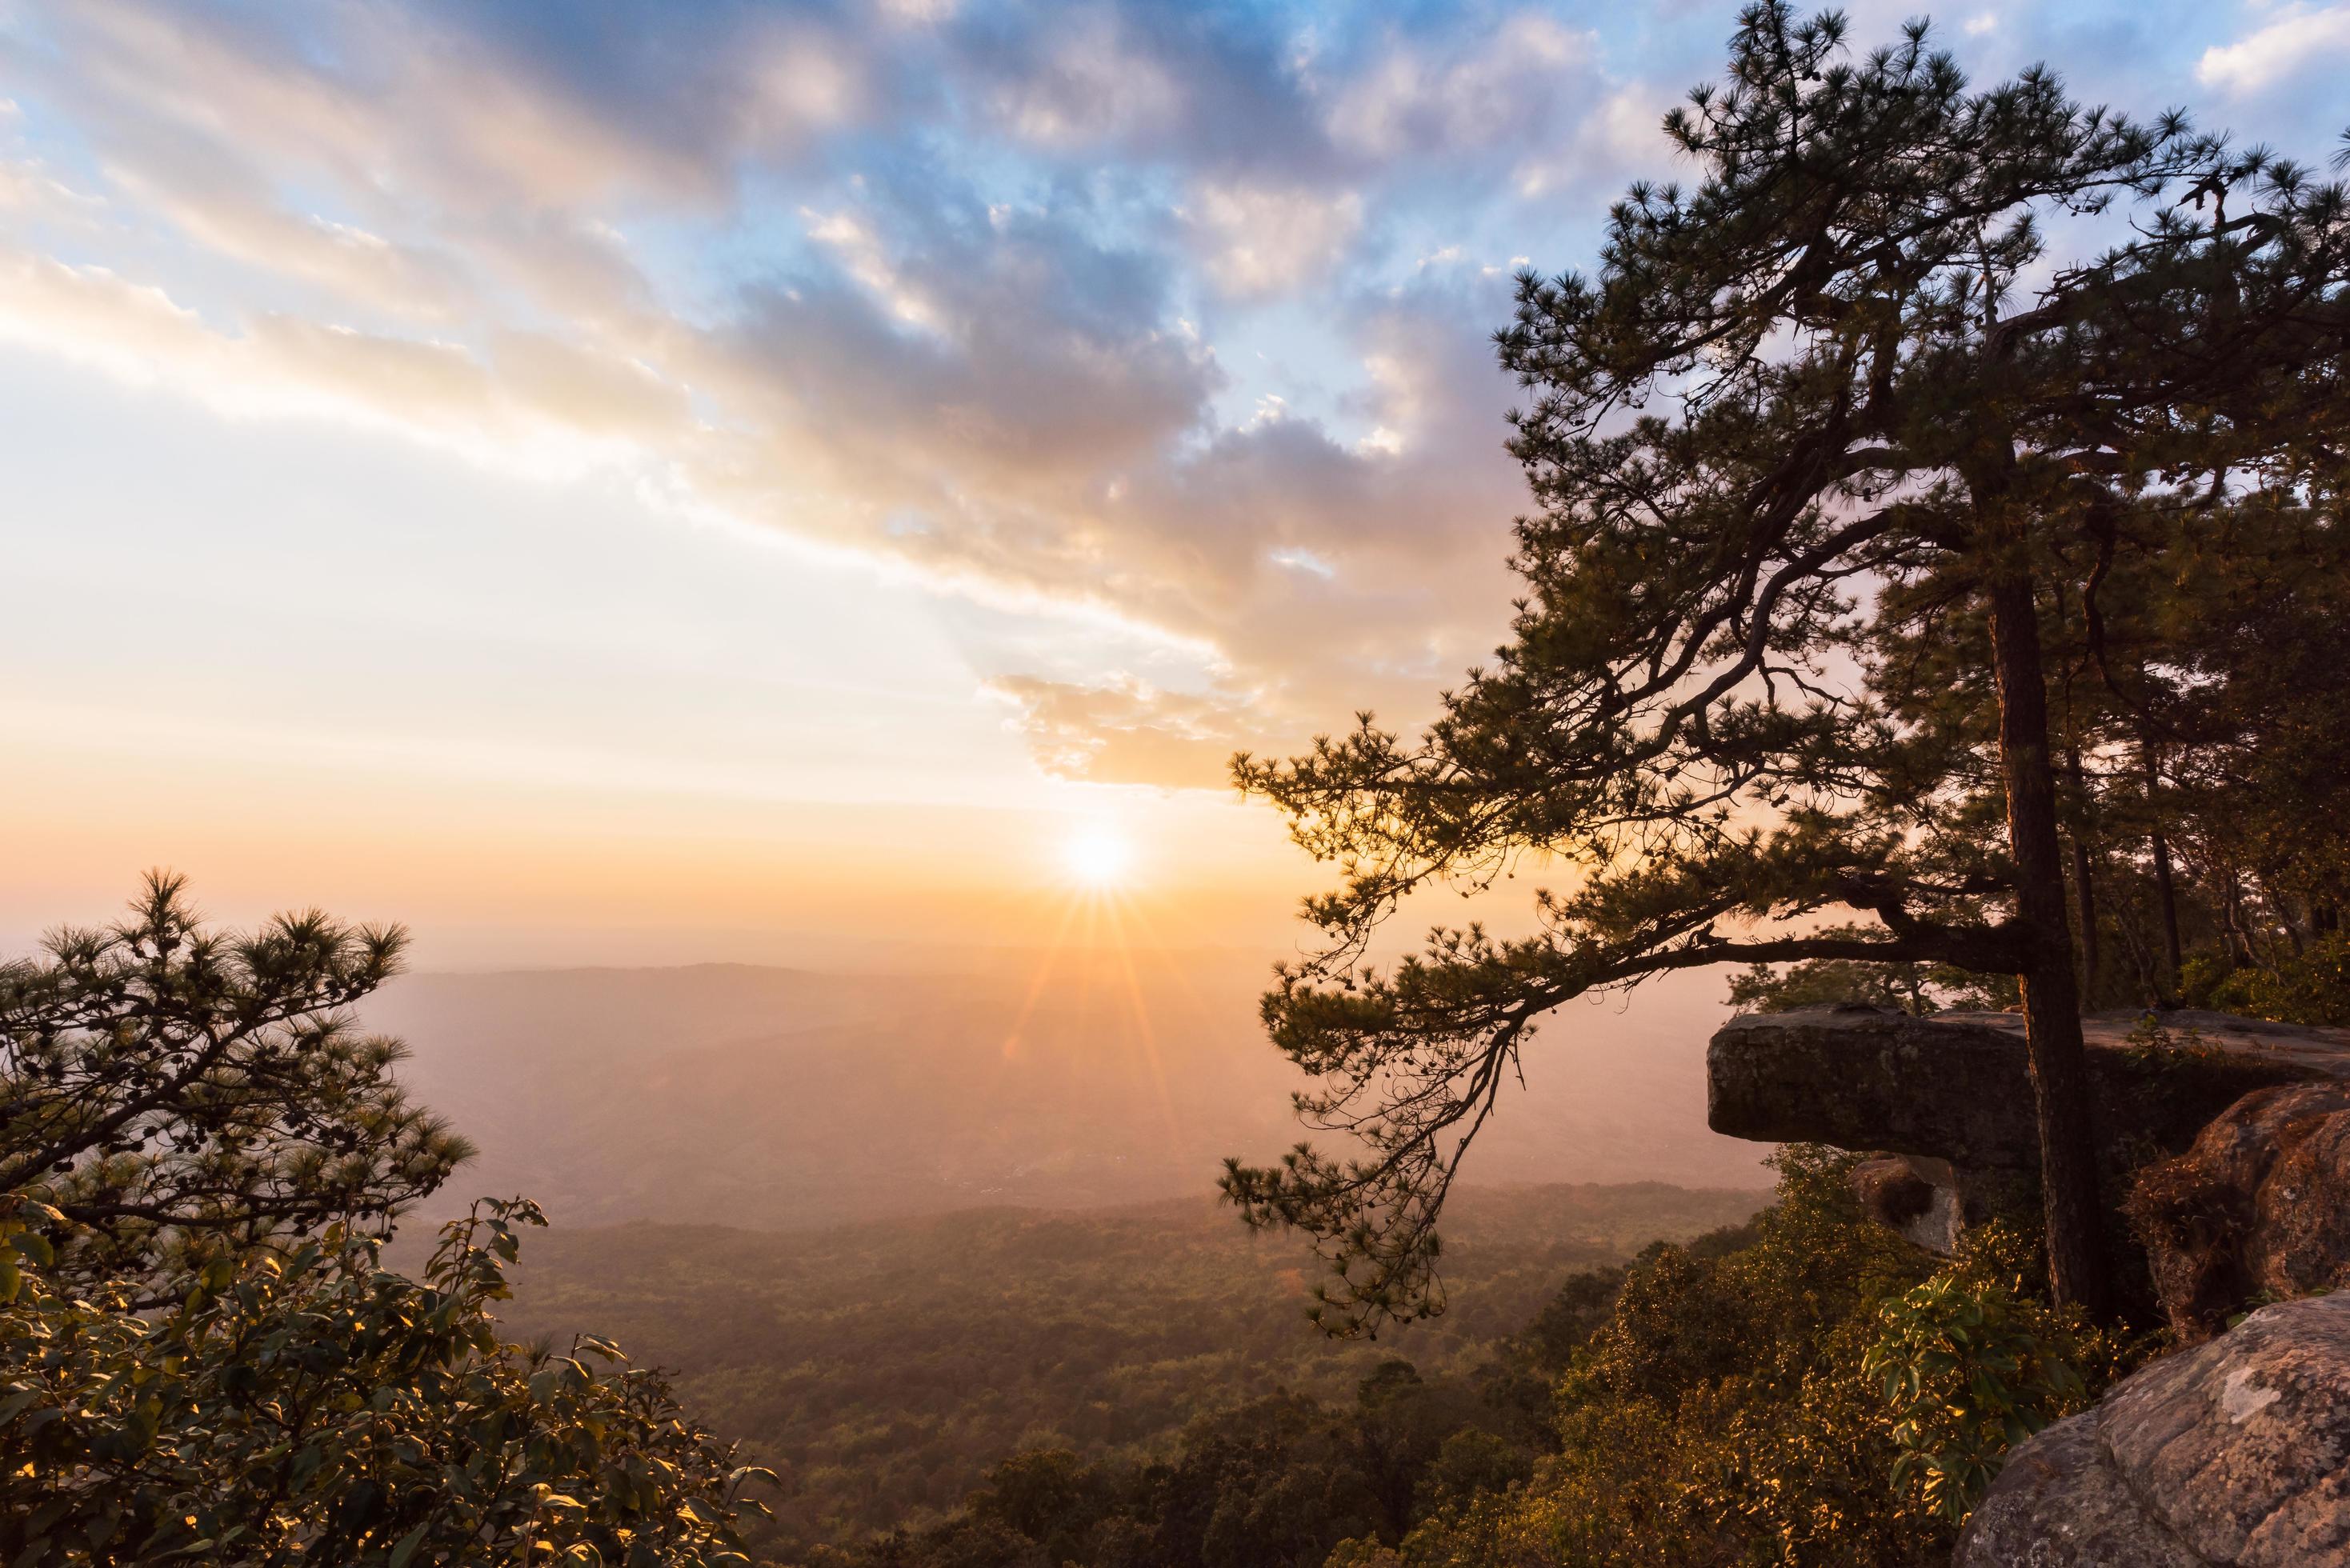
1957,1087
2237,1452
2056,1504
1919,1198
2257,1206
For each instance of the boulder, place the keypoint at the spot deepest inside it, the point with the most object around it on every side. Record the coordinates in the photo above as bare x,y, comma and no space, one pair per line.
1917,1196
1957,1087
2258,1207
2237,1452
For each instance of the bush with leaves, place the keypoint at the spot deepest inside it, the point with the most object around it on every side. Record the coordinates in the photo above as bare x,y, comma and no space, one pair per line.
2312,986
1806,1397
179,1095
202,1358
312,1407
1967,1376
1716,1405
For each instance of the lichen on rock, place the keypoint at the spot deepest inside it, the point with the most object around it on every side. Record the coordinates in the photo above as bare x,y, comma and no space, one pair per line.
2236,1453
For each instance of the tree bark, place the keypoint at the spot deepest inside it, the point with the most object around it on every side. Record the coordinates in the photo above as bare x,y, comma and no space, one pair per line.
2052,1003
2164,887
2168,894
2085,886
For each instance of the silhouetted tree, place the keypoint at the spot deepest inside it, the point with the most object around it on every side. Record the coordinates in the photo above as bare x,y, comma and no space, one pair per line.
178,1093
1794,411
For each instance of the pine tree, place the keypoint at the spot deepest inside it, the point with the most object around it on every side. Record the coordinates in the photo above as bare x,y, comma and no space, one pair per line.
1796,405
178,1093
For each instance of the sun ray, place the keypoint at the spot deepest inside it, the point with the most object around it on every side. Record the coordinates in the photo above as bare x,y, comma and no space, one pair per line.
1143,1031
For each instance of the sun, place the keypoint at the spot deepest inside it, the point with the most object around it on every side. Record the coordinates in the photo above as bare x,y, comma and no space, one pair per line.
1098,856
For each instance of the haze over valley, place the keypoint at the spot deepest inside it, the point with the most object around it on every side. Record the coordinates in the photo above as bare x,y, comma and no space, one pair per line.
781,1098
1011,783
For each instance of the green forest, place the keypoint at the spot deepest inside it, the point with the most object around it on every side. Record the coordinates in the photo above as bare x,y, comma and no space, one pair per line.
1933,593
883,1370
1806,1387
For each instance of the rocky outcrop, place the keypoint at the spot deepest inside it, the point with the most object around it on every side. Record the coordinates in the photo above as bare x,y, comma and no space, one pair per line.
2259,1207
1915,1196
1957,1087
2236,1453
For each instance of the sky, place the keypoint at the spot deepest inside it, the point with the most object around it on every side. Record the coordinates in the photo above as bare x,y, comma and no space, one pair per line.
738,481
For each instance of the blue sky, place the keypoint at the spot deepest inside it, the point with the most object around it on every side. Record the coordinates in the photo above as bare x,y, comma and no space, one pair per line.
581,466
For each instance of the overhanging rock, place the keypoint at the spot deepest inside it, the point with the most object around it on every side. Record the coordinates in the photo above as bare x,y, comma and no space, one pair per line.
1957,1087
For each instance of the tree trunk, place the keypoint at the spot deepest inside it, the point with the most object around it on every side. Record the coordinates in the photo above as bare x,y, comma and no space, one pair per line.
2240,933
2051,1005
2166,892
2170,897
2151,990
2084,885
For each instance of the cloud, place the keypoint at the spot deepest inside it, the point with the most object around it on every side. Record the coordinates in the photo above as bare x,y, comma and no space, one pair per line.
1088,84
1255,240
2292,41
965,290
1122,731
1617,133
1459,95
588,390
209,194
29,191
544,408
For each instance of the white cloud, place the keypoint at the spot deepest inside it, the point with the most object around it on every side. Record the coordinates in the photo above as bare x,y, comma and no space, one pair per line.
1256,240
868,260
30,191
1619,132
457,244
1093,85
2296,38
1124,730
1501,88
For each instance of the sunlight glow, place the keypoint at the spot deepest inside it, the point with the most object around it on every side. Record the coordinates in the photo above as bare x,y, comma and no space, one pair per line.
1098,857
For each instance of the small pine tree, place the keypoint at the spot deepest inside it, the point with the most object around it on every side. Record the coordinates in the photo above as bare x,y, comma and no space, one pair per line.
177,1094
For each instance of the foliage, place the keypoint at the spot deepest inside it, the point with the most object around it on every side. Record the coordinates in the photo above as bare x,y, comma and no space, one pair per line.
307,1405
1723,1402
2309,987
1922,989
1813,490
884,1385
1734,1410
202,1357
1971,1367
179,1095
1281,1482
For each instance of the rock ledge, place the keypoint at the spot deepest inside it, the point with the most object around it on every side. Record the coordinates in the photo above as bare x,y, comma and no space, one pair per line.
1957,1087
2236,1453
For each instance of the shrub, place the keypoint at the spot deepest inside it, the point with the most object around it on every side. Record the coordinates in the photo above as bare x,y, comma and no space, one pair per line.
1969,1369
312,1405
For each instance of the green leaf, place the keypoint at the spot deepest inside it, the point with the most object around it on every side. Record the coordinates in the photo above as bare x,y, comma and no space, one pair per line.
405,1551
